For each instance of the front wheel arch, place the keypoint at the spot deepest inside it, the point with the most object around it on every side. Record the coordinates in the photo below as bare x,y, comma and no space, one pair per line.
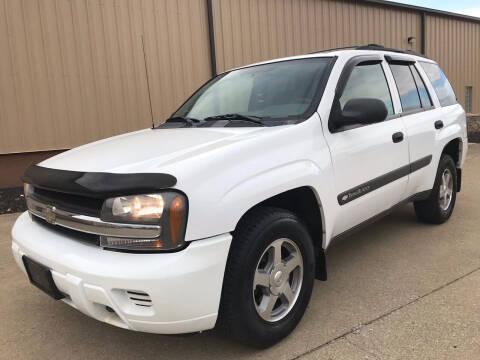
304,202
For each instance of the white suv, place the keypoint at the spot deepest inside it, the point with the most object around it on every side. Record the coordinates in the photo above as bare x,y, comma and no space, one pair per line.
223,214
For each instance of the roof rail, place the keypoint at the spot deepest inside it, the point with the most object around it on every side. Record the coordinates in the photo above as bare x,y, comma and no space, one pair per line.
371,47
383,48
333,49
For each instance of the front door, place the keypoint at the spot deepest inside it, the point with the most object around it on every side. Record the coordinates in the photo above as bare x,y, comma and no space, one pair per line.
370,162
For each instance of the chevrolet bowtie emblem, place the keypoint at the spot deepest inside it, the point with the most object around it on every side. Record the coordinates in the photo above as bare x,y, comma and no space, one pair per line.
50,215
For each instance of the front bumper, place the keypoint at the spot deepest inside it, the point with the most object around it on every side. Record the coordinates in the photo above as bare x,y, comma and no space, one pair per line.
184,287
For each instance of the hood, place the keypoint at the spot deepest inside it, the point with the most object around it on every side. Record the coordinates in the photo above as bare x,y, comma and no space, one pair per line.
149,150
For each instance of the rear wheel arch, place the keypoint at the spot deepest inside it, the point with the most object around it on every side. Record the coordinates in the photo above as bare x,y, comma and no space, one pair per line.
305,203
454,148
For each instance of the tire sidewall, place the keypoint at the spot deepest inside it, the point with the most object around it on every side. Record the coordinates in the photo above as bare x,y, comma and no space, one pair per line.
446,162
292,229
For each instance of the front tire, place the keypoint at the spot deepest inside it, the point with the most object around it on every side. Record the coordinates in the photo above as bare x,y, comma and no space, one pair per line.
269,277
439,206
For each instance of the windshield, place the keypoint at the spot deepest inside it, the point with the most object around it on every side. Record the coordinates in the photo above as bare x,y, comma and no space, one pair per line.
282,90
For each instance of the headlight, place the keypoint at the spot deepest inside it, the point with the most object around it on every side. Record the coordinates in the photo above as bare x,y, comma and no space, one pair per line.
167,210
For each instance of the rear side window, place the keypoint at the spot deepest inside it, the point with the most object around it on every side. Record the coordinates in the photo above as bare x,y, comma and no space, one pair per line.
406,86
440,83
422,90
367,81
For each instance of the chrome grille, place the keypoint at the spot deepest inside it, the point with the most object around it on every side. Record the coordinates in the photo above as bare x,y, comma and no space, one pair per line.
88,224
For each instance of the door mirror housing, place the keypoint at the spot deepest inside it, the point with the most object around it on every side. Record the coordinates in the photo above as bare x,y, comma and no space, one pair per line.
361,111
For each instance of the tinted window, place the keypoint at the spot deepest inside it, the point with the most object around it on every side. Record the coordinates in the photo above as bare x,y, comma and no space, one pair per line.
278,90
367,81
440,83
406,87
422,90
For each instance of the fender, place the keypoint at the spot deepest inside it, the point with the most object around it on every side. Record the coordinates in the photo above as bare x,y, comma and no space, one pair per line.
241,183
303,173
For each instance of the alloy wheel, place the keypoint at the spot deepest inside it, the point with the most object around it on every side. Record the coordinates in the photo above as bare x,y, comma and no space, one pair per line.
278,280
445,192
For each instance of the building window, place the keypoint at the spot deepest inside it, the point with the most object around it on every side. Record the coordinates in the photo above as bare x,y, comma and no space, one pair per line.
468,99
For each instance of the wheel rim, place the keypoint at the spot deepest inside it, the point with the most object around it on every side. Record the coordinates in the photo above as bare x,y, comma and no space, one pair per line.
445,192
278,280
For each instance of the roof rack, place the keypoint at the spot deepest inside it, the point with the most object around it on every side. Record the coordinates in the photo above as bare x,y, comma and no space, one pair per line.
333,49
372,47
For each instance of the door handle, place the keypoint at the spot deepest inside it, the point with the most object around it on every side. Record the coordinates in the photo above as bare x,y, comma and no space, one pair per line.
397,137
438,124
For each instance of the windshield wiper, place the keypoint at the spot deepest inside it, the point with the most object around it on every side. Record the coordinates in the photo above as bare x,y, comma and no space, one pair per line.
189,120
249,118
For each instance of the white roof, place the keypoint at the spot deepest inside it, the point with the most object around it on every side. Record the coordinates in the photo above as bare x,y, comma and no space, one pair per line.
347,53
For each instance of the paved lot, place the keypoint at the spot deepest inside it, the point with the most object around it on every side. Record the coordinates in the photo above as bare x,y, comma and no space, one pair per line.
397,290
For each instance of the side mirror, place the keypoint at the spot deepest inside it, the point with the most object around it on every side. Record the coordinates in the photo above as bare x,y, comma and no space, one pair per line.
361,111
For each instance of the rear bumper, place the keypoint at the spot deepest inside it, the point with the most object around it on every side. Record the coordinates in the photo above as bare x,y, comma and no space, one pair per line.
184,287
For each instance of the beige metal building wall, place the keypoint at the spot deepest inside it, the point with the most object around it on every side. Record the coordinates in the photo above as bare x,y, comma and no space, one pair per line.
455,45
253,30
73,71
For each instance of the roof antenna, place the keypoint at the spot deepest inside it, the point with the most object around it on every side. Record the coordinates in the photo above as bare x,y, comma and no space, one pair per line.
148,83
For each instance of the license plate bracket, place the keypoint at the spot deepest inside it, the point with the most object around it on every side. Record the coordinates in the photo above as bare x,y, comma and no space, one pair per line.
41,277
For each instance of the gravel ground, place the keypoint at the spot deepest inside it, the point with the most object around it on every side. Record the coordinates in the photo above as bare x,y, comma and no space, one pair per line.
12,200
473,125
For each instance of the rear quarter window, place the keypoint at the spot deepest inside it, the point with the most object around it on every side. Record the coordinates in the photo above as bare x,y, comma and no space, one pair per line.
440,83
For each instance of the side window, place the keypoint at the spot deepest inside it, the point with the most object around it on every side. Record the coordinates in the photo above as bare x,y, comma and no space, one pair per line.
440,83
367,81
406,86
422,90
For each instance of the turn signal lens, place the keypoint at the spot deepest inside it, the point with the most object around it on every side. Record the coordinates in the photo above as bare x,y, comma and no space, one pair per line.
177,209
131,244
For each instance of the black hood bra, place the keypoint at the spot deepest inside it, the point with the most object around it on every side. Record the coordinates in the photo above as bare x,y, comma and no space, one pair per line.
99,185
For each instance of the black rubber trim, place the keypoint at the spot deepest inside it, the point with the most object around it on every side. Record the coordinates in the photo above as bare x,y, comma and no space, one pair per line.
423,195
420,163
374,184
98,185
48,286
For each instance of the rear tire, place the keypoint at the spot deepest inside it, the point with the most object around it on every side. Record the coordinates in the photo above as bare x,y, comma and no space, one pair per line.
268,279
439,206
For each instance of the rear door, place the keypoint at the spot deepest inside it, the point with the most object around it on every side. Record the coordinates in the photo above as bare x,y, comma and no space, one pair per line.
370,162
420,118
